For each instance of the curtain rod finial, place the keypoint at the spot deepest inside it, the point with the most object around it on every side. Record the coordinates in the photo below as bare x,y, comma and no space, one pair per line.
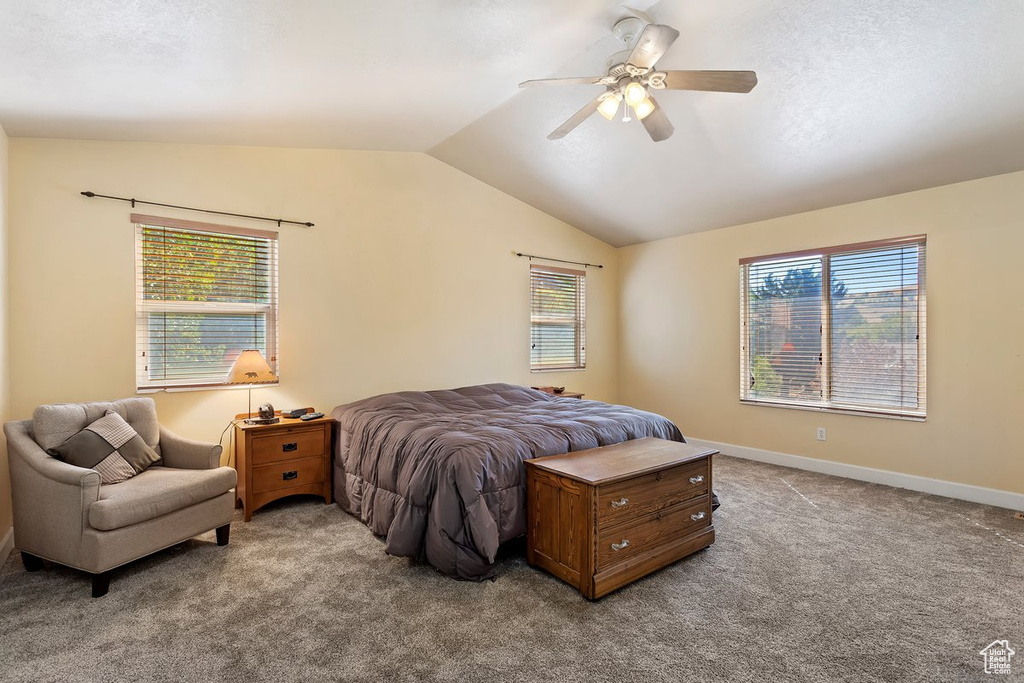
87,193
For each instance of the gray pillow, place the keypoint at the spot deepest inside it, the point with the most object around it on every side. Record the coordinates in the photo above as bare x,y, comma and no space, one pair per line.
110,446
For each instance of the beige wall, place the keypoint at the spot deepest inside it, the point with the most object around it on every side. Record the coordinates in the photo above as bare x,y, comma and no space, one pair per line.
679,336
5,476
407,281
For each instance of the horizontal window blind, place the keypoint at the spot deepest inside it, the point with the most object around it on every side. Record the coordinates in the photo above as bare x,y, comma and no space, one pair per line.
204,294
557,318
855,345
784,318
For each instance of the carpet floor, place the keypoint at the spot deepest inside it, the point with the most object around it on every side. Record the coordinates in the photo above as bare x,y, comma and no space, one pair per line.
812,578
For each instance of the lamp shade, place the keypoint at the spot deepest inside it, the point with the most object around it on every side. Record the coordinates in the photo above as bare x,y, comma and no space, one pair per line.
635,94
609,105
643,109
251,368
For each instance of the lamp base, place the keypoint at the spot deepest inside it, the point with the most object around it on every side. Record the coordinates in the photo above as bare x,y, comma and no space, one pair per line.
262,420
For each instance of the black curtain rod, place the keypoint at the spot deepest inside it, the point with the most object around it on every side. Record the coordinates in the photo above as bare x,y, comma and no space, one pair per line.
135,201
558,260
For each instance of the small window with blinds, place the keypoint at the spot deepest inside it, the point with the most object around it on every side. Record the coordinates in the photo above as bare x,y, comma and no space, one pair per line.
204,293
558,326
855,345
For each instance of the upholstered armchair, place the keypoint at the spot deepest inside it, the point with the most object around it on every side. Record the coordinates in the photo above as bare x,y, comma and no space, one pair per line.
65,514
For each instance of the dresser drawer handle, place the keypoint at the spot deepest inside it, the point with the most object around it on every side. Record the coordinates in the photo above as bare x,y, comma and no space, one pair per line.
294,474
620,503
698,479
699,516
289,447
620,546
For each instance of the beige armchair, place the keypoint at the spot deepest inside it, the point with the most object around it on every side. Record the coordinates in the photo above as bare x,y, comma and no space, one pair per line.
63,513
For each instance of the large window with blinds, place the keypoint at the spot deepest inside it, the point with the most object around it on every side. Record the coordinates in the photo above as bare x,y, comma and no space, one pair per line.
838,329
558,326
204,293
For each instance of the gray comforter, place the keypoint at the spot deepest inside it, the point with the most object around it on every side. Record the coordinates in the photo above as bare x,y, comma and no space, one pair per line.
440,474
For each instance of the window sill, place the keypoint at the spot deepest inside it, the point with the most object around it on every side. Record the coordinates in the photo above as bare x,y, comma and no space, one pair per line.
211,387
859,412
542,370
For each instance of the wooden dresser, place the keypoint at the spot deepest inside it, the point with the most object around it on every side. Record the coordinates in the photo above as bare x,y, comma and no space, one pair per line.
602,518
278,460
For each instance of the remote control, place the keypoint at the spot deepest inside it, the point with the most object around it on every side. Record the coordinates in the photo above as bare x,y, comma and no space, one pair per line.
311,416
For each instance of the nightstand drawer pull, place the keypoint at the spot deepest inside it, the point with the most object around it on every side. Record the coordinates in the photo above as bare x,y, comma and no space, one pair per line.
697,517
620,546
294,474
620,503
288,447
698,479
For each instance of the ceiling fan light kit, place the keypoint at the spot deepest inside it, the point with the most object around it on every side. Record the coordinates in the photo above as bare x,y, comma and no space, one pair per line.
633,80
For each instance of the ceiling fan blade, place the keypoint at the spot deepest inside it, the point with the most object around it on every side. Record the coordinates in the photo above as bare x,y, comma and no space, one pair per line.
576,119
657,124
717,81
588,80
651,45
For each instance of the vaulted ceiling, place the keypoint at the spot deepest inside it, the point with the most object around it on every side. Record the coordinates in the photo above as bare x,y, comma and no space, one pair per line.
856,98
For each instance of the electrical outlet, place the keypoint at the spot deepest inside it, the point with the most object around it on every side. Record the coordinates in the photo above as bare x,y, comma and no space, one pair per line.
1018,515
821,434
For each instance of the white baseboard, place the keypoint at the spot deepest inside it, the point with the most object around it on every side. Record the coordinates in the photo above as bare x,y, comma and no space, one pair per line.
950,489
6,546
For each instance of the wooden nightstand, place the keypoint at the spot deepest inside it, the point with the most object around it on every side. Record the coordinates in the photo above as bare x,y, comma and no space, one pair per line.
563,394
283,459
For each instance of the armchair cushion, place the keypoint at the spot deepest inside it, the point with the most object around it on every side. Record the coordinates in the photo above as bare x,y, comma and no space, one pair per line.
156,492
110,446
52,425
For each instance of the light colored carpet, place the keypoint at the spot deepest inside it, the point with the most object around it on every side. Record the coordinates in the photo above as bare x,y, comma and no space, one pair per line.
812,578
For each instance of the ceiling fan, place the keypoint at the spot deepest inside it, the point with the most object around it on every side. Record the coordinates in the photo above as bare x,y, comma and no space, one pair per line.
633,79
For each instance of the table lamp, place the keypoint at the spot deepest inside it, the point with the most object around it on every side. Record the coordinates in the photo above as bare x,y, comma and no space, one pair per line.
251,368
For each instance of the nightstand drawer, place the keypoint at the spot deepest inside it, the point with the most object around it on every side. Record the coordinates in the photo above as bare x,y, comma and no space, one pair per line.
288,445
283,475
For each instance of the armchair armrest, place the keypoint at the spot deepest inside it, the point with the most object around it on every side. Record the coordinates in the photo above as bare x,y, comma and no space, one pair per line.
50,498
188,454
21,444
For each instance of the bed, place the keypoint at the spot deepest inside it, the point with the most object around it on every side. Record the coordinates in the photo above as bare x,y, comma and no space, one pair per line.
439,474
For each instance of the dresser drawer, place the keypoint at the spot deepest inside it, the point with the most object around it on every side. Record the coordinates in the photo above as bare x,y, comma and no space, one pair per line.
282,475
634,498
620,543
288,445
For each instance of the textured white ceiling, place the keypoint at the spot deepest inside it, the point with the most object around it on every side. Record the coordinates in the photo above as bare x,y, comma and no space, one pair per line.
373,74
856,98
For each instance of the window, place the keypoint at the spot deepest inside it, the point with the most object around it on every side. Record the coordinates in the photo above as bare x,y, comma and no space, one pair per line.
558,328
857,345
204,293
